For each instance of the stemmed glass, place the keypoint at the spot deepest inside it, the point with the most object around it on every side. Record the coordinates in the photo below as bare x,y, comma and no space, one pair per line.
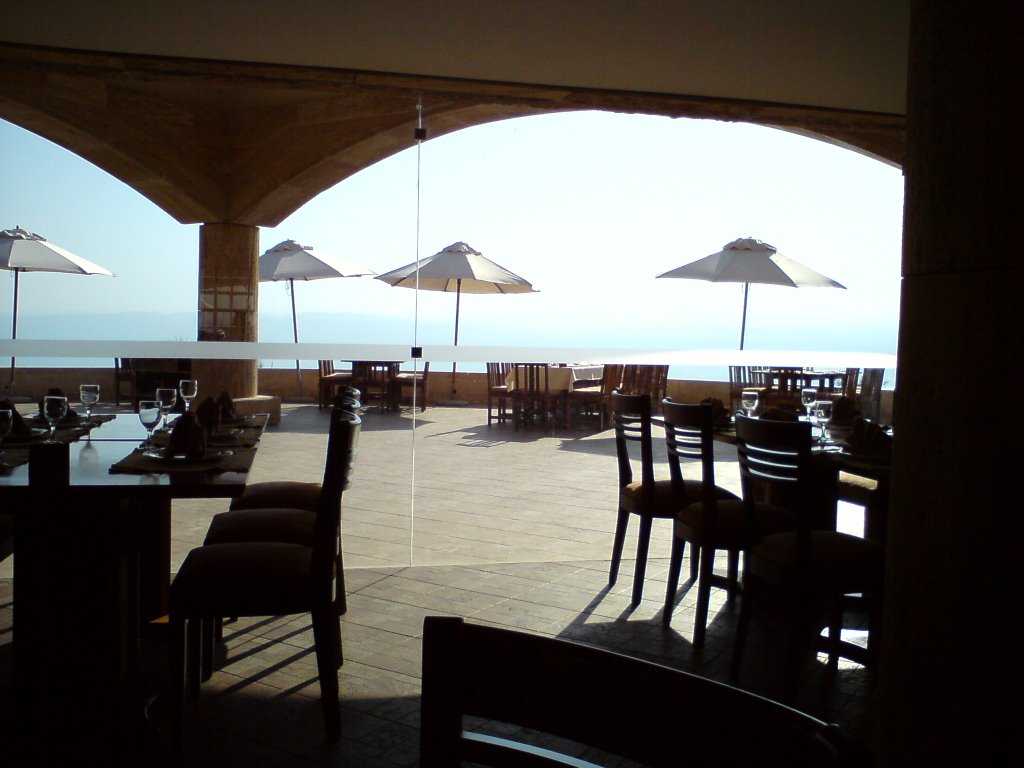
749,400
55,408
150,414
823,412
166,398
189,389
6,422
88,396
808,397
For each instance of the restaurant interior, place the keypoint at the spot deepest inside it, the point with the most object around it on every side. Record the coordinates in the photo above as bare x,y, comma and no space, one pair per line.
173,101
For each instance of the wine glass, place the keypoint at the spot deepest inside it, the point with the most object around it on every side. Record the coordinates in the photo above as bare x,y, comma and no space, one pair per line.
189,388
6,422
823,412
55,408
150,414
166,397
749,400
88,396
808,397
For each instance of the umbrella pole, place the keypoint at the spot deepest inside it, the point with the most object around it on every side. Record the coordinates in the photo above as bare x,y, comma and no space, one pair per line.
743,324
458,297
295,335
14,331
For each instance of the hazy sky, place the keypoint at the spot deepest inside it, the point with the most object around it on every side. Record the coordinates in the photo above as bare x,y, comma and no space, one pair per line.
587,206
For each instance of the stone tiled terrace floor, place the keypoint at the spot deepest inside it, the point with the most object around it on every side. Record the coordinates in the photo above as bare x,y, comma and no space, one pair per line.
511,528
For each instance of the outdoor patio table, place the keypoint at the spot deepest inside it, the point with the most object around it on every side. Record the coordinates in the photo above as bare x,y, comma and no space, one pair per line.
92,570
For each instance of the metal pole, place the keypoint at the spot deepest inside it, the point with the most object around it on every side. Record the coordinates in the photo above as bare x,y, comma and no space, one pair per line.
295,334
458,298
743,325
14,330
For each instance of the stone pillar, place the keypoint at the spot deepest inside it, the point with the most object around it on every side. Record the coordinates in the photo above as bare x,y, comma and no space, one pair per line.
228,304
953,593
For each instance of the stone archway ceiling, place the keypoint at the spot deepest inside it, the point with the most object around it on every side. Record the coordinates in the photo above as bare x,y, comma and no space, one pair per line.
212,141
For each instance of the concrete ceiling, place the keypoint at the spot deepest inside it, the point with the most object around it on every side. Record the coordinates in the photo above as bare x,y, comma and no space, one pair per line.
218,115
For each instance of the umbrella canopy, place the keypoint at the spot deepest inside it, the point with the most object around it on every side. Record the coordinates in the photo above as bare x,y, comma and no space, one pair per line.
461,269
24,251
290,261
751,261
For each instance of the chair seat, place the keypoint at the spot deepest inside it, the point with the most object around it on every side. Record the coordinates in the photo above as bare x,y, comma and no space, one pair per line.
630,496
244,579
290,526
839,562
732,530
283,493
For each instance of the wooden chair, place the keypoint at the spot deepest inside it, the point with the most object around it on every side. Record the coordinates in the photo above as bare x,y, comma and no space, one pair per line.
375,379
869,395
264,578
709,518
497,392
808,570
650,380
530,395
124,375
413,380
597,699
596,399
329,382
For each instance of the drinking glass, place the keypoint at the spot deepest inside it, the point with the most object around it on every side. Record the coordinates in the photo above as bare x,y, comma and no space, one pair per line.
808,397
6,422
150,414
55,408
189,388
823,412
88,396
749,400
166,397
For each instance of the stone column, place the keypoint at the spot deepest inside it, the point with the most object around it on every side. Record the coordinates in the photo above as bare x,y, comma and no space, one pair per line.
228,304
953,594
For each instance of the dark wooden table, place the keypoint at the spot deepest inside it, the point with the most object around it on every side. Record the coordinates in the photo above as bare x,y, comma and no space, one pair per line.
92,569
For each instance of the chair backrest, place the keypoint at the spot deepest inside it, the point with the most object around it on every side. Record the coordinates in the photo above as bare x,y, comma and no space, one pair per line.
497,374
326,367
775,455
631,416
870,395
650,380
611,378
531,377
341,452
689,434
651,714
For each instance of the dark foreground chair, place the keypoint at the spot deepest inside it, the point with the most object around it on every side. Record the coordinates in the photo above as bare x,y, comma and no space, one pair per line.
267,578
640,711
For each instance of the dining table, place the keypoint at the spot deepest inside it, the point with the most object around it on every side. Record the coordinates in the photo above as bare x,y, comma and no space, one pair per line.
92,575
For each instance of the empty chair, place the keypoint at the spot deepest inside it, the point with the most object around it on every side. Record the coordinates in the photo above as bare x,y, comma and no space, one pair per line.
329,382
407,382
630,708
646,498
809,570
650,380
497,392
263,578
709,518
530,395
596,399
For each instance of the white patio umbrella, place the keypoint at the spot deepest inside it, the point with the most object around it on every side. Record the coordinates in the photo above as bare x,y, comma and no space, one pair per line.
290,261
461,269
751,261
24,251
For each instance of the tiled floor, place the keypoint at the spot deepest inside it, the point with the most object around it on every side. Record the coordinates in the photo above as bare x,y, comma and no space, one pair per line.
507,528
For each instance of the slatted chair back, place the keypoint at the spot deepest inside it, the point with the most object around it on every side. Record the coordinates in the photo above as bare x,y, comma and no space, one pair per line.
531,379
497,374
548,686
631,416
774,459
689,435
